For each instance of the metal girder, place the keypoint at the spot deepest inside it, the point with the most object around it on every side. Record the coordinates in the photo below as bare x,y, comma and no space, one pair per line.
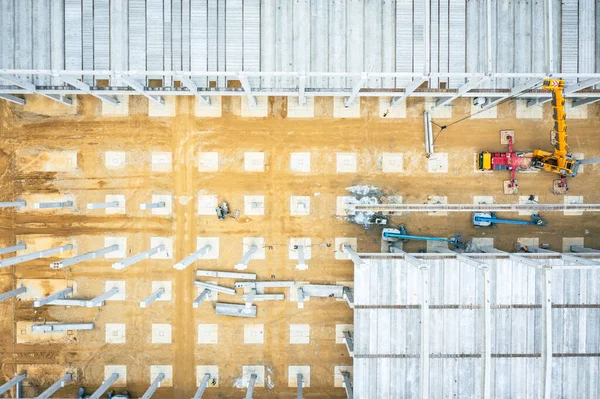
411,259
87,89
348,384
105,385
353,255
548,37
31,88
248,89
152,297
299,386
12,294
470,85
546,365
410,88
202,386
194,256
425,346
250,391
19,247
57,295
191,86
13,99
428,130
355,90
200,298
55,387
99,300
214,287
137,86
302,89
486,339
349,341
584,101
154,386
580,249
580,86
123,263
12,382
514,92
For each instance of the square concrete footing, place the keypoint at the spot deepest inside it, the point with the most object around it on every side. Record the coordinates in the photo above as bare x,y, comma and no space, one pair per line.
208,161
208,334
293,372
162,161
525,112
568,242
341,111
432,245
344,204
437,199
119,253
121,109
293,252
261,110
207,205
39,288
165,110
386,110
115,334
254,333
573,199
254,161
167,285
167,370
214,246
438,163
212,110
247,371
299,205
299,334
339,332
346,162
392,162
167,242
340,242
479,242
254,205
109,285
115,159
580,112
529,241
443,112
523,200
161,333
306,110
119,369
478,113
247,242
166,210
300,162
483,199
210,369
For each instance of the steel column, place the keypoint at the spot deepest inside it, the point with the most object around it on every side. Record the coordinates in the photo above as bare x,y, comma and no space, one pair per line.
11,294
84,257
13,99
200,298
470,85
50,205
408,90
202,387
429,140
99,300
105,385
87,89
152,297
248,89
348,295
349,341
55,387
122,264
348,385
300,294
13,204
182,264
191,86
250,392
57,295
355,90
299,385
242,264
154,386
141,89
12,382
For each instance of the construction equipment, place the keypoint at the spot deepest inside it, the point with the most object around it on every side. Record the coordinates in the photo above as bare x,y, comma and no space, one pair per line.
222,211
392,235
489,219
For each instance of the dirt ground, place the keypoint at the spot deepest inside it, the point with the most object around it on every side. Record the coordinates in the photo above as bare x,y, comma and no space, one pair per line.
24,131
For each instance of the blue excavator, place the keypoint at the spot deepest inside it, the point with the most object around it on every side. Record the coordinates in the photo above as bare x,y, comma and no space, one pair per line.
489,219
400,234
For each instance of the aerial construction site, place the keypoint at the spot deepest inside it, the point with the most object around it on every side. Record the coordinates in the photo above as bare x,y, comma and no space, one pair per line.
299,199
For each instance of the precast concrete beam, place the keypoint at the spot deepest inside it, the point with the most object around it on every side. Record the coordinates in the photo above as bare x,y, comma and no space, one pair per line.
13,204
353,255
243,263
154,386
203,295
51,205
84,257
262,297
214,287
17,379
348,384
11,294
220,274
103,205
99,300
182,264
152,297
153,205
349,341
46,328
34,255
105,385
55,387
202,387
250,391
57,295
122,264
19,247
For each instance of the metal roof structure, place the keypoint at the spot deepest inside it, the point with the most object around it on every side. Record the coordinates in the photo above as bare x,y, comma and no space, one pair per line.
442,49
476,325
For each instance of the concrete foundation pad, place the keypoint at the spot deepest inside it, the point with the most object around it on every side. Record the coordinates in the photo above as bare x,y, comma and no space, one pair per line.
167,285
299,205
115,334
214,246
580,112
165,111
167,199
477,113
391,162
121,209
346,162
387,111
208,334
121,109
212,110
115,159
207,205
254,333
33,201
349,284
306,110
109,285
482,242
121,370
438,163
247,242
340,242
247,371
570,241
162,161
254,161
208,162
338,379
167,370
300,162
260,111
573,199
524,199
40,288
483,199
161,333
341,111
343,205
210,369
119,253
293,253
254,205
293,371
443,112
24,335
432,245
525,112
339,332
167,242
437,199
531,241
299,334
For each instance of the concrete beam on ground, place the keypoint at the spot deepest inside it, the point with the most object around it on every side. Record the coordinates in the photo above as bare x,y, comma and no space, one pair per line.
356,89
12,99
247,257
301,262
57,295
154,386
200,298
55,387
250,391
105,386
580,249
103,205
153,205
152,297
61,327
202,387
52,205
34,255
546,363
84,87
410,89
348,295
192,87
232,309
182,264
122,264
17,379
215,287
349,341
13,204
68,302
220,274
353,255
262,297
12,294
299,386
84,257
138,87
348,385
261,285
323,290
248,89
249,297
425,339
99,300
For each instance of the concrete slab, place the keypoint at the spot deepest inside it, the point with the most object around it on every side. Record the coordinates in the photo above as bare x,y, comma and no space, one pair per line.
208,334
168,243
340,242
306,110
340,110
293,253
573,199
432,245
444,112
524,199
477,113
300,162
52,161
121,209
299,334
167,285
247,371
161,333
254,205
299,205
293,371
208,161
438,163
254,333
121,252
254,161
346,162
121,109
163,111
525,112
212,110
387,111
260,111
115,159
339,332
207,205
580,112
167,199
162,161
210,369
167,370
483,199
343,204
569,241
532,241
109,369
40,288
214,246
483,242
391,162
109,285
114,334
247,242
437,199
338,379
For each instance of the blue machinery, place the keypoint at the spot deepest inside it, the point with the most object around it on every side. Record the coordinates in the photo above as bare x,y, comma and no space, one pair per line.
486,219
401,234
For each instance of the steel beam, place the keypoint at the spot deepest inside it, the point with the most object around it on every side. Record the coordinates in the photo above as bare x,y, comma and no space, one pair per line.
103,205
472,207
255,297
470,85
486,339
348,385
428,129
191,86
302,90
31,88
248,89
349,341
154,386
353,256
99,300
299,386
152,297
412,260
69,302
300,296
17,379
462,258
51,205
250,392
514,92
12,294
301,262
202,387
584,101
580,86
348,295
57,295
105,385
19,247
243,263
46,328
84,257
200,298
220,274
55,387
137,86
232,309
410,89
548,37
578,248
546,365
182,264
249,298
355,90
153,205
215,287
425,347
84,87
323,290
13,99
122,264
13,204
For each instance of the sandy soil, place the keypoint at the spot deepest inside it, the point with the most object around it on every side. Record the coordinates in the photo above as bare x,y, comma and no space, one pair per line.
231,136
